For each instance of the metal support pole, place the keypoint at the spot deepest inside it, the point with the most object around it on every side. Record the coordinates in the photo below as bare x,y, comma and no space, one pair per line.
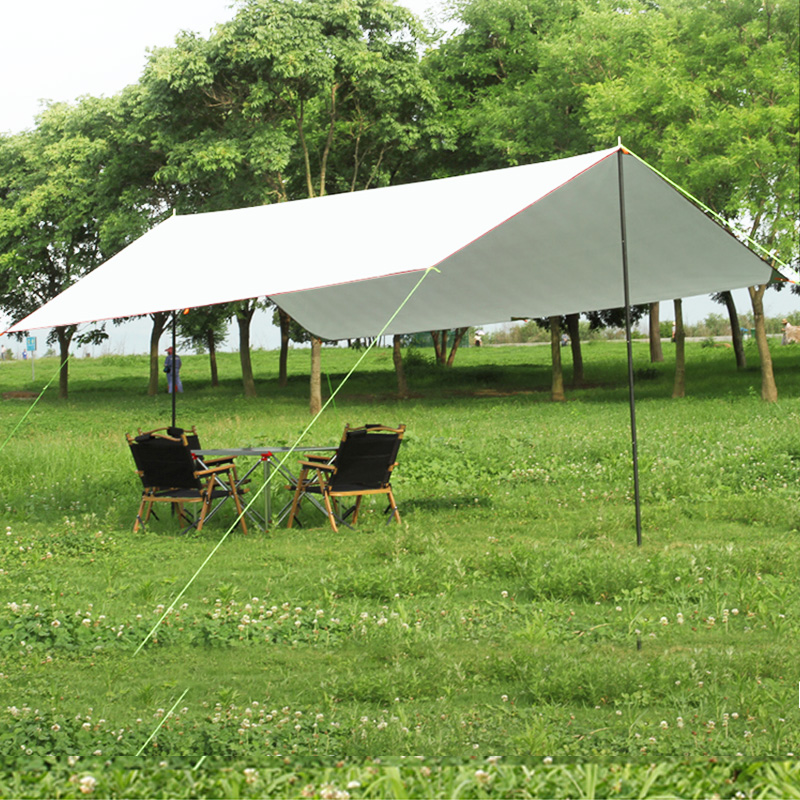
171,375
634,445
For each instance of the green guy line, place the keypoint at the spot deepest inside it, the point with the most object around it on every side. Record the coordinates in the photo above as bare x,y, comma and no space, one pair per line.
330,388
288,453
792,275
33,404
158,727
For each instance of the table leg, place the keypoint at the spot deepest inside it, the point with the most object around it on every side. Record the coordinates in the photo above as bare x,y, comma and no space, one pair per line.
267,492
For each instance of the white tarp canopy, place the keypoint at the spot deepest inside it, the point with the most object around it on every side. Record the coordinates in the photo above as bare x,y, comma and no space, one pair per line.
529,241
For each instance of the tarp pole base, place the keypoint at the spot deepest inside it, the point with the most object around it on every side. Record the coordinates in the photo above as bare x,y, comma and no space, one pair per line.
634,445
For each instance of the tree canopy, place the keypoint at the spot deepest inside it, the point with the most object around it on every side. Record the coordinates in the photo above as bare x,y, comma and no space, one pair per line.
302,98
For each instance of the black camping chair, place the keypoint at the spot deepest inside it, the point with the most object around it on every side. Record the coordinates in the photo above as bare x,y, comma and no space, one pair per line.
362,465
170,474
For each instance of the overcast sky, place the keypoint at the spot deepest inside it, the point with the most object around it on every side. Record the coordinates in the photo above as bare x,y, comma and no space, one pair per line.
61,49
58,50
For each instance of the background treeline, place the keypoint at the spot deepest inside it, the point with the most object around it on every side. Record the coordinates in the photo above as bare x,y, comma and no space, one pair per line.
292,99
711,325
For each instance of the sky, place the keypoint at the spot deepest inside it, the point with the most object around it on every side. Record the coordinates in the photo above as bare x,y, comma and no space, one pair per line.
59,50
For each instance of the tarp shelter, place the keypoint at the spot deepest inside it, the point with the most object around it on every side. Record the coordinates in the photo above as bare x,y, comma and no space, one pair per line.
594,231
536,240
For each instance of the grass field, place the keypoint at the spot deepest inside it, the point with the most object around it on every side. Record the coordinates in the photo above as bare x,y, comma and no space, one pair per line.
510,614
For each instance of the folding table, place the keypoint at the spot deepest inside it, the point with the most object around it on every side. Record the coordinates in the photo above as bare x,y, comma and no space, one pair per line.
268,457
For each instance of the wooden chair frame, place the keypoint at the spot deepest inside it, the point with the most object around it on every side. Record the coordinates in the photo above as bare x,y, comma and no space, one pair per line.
318,474
217,480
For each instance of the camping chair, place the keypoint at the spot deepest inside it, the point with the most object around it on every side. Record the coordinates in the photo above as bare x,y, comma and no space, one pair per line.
170,474
362,465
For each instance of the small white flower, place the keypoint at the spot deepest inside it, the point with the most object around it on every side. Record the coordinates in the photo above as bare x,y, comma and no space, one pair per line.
250,775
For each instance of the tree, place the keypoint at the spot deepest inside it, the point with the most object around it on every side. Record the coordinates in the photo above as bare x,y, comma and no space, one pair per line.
243,312
440,345
679,385
736,330
160,321
570,323
769,391
290,99
315,400
397,358
706,93
284,322
573,330
206,329
654,327
506,94
54,201
710,96
291,331
557,389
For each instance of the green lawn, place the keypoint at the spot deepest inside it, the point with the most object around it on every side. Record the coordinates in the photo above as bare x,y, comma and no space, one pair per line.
510,614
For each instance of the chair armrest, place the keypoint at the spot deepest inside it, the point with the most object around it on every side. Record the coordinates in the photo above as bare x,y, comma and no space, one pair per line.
318,465
213,470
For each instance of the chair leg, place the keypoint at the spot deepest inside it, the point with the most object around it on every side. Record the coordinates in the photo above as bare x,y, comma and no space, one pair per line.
331,517
206,504
393,506
139,522
239,507
298,493
356,508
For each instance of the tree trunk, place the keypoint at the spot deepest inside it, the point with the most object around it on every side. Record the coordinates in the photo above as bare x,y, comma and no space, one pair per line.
736,330
440,346
574,331
397,357
769,391
315,404
160,320
557,392
456,342
283,359
656,351
212,357
679,387
64,335
243,317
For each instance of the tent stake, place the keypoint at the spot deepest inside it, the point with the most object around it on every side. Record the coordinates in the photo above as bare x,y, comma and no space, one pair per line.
634,445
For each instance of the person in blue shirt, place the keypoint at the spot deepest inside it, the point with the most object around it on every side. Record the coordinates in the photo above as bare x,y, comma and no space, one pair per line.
172,366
